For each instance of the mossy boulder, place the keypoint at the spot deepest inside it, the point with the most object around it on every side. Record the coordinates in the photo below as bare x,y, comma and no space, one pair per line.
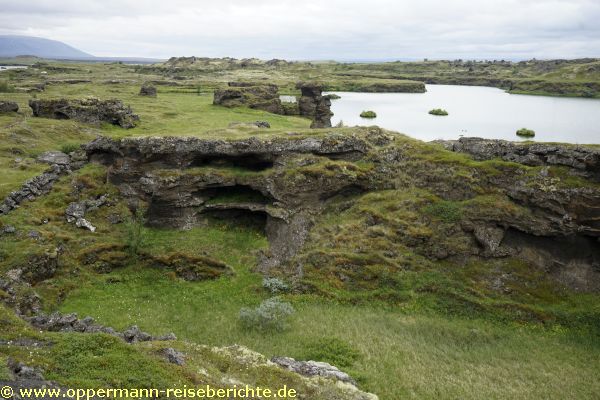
191,268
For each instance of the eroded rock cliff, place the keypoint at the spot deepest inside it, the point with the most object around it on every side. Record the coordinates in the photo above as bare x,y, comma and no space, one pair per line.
288,185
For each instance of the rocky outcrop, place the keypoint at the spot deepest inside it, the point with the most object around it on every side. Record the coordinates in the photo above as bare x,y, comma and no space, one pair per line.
75,211
313,368
34,187
91,111
314,105
58,322
206,176
54,157
253,95
61,164
583,160
8,106
173,356
148,90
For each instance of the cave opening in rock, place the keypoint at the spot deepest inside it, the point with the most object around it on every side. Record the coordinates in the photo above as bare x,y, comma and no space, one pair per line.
237,217
252,162
60,115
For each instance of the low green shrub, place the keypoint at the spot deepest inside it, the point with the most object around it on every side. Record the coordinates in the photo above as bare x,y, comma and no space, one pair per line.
275,285
525,132
69,147
368,114
438,111
271,315
135,232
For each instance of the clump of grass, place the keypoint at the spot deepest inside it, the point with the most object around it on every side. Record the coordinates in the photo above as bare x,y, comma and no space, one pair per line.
368,114
447,211
271,315
68,148
524,132
438,111
331,350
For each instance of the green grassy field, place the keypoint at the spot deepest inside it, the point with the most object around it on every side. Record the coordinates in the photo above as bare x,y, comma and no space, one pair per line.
400,354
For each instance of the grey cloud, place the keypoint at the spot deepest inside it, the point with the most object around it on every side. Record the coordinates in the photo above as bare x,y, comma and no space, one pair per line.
313,29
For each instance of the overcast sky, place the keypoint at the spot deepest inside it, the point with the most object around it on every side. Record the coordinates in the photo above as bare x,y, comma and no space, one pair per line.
314,29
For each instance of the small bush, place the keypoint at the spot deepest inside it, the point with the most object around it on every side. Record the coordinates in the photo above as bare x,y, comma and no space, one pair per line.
333,351
5,87
135,232
68,148
271,315
525,132
275,285
368,114
438,111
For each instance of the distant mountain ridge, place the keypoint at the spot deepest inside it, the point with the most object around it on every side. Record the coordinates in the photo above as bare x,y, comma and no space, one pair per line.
13,45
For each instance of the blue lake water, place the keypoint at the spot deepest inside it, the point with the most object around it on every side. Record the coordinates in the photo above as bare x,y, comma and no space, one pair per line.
474,111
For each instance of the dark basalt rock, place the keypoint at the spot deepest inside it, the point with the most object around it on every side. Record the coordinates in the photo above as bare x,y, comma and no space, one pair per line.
148,169
40,266
314,105
92,111
148,90
8,106
57,322
34,187
280,194
173,356
584,160
259,96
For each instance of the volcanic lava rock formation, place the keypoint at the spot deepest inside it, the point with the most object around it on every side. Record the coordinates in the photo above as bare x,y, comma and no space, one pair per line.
585,161
284,185
184,181
91,111
313,104
8,106
254,95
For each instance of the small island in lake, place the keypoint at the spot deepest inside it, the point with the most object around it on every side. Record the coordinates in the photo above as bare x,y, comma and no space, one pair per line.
438,111
368,114
526,132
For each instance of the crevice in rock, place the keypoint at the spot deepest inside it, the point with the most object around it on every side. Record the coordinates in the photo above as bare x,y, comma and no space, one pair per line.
345,192
252,162
574,260
234,194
